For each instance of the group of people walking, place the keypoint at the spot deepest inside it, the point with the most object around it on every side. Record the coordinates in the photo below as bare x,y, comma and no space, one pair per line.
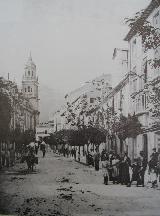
66,150
30,153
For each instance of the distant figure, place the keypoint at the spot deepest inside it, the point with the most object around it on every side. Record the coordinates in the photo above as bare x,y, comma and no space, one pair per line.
135,171
105,166
115,168
153,167
96,159
36,147
126,162
7,156
30,158
75,150
154,160
3,157
43,148
12,156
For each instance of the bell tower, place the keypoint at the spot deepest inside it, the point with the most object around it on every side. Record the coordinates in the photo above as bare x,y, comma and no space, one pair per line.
30,86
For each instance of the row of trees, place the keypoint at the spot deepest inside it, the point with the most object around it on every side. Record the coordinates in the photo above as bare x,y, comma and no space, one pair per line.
7,134
78,137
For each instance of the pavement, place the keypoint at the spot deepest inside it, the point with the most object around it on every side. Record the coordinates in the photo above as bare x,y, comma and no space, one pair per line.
61,186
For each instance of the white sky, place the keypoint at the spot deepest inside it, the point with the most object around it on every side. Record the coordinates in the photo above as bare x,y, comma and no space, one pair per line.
71,41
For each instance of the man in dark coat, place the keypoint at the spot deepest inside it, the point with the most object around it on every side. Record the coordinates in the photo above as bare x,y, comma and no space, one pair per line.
126,163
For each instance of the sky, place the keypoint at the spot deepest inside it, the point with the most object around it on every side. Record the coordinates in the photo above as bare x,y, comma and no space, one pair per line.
71,41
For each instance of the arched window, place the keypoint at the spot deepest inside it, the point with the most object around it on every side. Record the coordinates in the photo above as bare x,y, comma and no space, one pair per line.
28,88
28,73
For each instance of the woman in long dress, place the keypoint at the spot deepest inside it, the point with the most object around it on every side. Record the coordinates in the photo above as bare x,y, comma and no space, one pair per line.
105,168
126,163
96,160
115,169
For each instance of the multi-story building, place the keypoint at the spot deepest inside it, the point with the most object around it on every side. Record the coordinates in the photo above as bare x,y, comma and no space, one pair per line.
24,102
115,104
142,77
80,102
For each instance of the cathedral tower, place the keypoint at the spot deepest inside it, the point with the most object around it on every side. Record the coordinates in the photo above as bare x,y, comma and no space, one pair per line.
30,86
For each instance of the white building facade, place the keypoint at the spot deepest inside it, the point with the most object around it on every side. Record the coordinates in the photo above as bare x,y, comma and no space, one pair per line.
142,76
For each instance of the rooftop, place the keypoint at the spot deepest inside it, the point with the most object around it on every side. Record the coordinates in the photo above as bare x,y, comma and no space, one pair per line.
148,10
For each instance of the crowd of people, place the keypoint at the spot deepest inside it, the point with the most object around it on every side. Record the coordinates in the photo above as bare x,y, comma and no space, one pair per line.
119,169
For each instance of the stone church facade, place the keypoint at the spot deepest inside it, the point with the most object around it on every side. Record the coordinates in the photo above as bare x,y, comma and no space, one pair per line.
24,100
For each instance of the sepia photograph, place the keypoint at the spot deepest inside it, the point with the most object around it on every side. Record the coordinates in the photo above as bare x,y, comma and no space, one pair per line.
80,108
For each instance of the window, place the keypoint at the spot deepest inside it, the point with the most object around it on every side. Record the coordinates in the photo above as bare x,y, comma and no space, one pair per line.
134,47
28,73
91,100
25,89
113,106
146,100
121,100
156,19
31,89
145,72
143,102
32,73
134,85
28,88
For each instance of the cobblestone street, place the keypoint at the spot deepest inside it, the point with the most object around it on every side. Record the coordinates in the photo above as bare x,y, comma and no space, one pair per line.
61,186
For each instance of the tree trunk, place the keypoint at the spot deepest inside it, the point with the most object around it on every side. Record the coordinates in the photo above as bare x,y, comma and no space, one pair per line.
0,154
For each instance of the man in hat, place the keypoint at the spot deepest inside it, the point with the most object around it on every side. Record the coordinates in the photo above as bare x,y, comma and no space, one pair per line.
154,159
143,166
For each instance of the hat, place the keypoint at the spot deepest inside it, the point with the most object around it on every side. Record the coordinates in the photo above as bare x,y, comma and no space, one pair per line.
141,152
154,149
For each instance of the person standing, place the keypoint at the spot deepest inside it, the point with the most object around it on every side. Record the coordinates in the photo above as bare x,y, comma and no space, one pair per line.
143,166
97,159
43,147
153,164
36,147
154,160
125,170
3,156
7,156
105,167
12,156
135,172
115,169
75,150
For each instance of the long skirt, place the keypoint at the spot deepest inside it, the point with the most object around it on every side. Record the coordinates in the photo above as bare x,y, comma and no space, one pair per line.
125,175
96,165
105,170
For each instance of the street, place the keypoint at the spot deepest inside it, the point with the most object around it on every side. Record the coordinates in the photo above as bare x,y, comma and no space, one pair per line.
61,186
